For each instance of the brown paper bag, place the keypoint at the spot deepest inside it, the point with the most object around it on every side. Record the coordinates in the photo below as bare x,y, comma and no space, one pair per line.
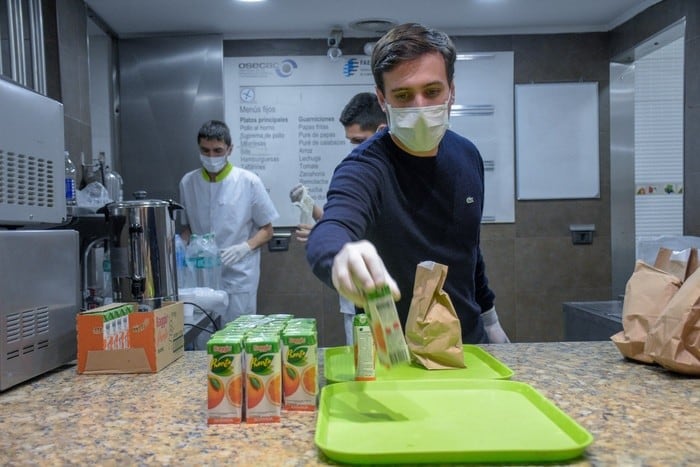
693,263
433,332
674,339
647,292
676,262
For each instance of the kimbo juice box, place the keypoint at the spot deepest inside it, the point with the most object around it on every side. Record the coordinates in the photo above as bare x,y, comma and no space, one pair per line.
263,374
386,327
225,379
300,367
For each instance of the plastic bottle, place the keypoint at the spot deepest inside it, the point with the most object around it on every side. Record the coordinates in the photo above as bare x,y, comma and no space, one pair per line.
195,260
184,279
213,261
114,184
91,171
70,177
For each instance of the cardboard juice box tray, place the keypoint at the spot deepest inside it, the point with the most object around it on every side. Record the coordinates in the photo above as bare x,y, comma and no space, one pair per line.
117,339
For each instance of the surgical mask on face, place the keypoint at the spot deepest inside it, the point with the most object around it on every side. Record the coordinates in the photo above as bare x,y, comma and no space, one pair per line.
420,129
213,164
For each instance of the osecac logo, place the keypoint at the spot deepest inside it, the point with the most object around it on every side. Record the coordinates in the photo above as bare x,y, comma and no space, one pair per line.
350,67
286,67
256,65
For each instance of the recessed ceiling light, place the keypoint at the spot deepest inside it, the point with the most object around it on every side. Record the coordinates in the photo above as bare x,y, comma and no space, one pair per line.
376,25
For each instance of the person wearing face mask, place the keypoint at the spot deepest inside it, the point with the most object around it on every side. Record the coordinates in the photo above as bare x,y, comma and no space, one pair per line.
414,192
361,118
233,204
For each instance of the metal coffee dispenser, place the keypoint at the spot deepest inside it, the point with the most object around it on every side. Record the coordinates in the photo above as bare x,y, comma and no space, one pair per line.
142,250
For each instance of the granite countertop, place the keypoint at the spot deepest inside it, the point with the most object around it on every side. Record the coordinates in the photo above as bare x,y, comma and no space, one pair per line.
638,414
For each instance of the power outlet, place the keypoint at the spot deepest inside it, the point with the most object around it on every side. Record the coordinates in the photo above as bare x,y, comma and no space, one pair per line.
279,242
582,238
582,234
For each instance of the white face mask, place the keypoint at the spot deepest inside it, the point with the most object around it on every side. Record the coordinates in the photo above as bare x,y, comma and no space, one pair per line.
213,164
420,129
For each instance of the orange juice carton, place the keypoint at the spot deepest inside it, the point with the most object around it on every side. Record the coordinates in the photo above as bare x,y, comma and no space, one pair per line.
225,379
386,327
363,348
300,367
263,374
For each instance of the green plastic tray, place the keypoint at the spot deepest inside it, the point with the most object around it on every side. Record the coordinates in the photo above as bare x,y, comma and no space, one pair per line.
441,421
339,365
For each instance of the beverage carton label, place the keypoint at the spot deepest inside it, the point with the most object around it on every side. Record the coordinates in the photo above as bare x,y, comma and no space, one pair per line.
263,370
300,369
386,328
225,380
363,348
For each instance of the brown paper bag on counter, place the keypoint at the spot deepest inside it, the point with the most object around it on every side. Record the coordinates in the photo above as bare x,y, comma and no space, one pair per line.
674,339
433,332
693,263
680,263
647,292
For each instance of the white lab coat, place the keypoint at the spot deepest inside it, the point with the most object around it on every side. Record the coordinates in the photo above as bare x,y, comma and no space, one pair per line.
233,207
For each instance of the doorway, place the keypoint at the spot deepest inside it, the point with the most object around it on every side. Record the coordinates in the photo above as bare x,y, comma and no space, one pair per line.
646,147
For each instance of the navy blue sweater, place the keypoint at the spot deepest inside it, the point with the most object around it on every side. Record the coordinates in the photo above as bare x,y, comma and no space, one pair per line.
412,209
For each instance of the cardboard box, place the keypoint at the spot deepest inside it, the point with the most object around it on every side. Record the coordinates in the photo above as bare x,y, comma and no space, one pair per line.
154,340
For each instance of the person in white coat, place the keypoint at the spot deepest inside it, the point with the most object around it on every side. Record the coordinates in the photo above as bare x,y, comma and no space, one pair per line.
233,204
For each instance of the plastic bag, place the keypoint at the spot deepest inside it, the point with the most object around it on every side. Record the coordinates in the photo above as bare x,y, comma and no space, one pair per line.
94,195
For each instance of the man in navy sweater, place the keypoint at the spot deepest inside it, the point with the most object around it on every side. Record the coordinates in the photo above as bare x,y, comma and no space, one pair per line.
411,193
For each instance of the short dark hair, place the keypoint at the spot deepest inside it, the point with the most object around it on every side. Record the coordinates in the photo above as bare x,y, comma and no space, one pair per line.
364,110
407,42
214,130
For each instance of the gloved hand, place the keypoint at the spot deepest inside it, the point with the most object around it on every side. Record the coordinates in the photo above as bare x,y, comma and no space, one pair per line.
235,253
358,269
299,196
493,327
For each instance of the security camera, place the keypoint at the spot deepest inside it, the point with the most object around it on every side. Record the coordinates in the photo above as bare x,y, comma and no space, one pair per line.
334,53
335,37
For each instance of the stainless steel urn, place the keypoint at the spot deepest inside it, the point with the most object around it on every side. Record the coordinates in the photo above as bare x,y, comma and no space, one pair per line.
142,251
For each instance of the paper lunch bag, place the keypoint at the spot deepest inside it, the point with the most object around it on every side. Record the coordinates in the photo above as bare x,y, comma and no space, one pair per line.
647,292
433,332
674,339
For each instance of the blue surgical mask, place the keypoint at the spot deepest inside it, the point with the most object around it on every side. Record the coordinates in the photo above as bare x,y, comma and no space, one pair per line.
213,164
420,129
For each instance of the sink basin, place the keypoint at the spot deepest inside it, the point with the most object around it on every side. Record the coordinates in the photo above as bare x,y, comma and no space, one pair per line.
611,308
592,321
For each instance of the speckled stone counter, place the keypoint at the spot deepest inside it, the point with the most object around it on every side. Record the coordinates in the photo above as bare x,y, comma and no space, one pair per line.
638,414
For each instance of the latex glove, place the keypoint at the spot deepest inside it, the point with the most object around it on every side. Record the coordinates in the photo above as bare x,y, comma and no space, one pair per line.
493,327
235,253
299,195
358,269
